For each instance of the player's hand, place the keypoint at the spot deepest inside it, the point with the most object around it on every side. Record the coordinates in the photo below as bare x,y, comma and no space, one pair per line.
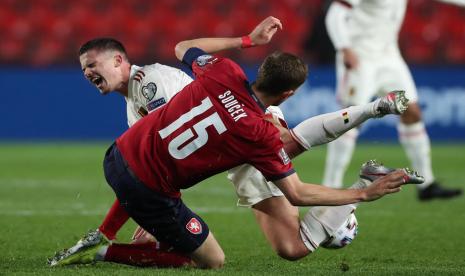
264,31
388,184
141,236
350,58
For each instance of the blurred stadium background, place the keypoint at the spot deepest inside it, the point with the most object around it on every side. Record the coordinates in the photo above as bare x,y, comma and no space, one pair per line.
43,88
50,192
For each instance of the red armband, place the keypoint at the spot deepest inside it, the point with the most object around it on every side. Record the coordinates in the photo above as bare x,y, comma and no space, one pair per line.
246,42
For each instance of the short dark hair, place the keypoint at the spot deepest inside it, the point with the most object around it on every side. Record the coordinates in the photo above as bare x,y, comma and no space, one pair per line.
281,72
103,43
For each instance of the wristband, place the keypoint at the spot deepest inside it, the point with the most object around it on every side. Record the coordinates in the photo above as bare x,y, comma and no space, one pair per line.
246,42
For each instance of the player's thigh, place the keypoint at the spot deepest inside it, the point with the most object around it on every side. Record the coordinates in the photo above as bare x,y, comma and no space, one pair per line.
395,75
355,86
168,219
279,221
277,217
209,254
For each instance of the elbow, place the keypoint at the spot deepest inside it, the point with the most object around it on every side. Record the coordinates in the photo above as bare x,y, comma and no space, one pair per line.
294,198
180,49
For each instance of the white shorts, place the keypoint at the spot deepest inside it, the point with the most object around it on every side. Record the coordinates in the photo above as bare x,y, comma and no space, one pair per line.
251,186
374,77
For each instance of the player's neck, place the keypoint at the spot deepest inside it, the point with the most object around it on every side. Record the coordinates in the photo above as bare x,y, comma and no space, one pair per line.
265,99
124,85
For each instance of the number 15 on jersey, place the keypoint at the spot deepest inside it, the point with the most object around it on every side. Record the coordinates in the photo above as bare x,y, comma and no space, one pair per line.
175,146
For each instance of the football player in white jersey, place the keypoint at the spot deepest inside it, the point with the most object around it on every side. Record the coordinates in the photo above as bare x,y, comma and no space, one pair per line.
146,88
369,64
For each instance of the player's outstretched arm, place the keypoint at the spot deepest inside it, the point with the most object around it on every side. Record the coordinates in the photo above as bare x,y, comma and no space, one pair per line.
305,194
261,34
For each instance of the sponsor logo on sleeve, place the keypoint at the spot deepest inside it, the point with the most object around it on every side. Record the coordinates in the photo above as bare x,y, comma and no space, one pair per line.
149,91
194,226
206,59
152,105
284,157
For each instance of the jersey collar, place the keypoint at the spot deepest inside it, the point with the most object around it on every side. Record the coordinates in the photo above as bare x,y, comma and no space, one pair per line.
254,97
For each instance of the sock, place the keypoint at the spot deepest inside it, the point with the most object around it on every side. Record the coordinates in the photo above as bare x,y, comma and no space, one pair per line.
325,128
416,144
114,220
321,222
338,155
147,254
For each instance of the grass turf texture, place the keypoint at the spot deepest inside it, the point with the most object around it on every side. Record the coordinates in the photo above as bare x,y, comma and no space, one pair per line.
52,194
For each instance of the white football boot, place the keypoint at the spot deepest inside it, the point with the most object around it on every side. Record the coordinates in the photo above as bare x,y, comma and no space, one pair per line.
394,102
84,252
373,170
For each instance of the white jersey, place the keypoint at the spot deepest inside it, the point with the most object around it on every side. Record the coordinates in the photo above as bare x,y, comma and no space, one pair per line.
368,27
150,87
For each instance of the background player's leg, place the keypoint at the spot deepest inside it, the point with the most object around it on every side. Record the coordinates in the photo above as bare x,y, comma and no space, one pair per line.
416,143
338,156
279,221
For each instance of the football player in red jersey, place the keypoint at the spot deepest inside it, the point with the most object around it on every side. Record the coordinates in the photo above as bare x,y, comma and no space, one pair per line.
242,105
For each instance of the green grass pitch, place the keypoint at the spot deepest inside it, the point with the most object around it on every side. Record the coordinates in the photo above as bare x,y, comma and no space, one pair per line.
51,194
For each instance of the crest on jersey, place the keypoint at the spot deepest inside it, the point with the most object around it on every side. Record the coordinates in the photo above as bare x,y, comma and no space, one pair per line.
149,91
205,59
284,156
194,226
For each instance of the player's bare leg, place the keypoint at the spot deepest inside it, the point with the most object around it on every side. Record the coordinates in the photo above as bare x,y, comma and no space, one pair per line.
209,254
279,221
416,143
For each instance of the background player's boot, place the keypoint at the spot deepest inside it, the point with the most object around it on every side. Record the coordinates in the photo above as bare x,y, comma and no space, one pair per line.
436,190
373,170
84,252
394,102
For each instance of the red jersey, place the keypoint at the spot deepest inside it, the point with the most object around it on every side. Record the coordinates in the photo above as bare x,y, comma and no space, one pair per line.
213,124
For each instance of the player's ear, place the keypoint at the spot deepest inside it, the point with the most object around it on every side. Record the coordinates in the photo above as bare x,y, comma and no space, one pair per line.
287,94
118,59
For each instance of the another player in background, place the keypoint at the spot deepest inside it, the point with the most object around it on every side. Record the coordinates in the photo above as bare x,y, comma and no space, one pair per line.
278,219
368,64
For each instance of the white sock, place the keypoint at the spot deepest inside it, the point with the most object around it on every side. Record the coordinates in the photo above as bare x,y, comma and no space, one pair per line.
321,222
416,144
338,155
325,128
100,255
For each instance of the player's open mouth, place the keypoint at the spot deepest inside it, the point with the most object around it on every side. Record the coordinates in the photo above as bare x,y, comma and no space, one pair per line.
97,81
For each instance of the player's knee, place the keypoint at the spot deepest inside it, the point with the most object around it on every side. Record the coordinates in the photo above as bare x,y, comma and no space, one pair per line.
292,253
214,262
412,114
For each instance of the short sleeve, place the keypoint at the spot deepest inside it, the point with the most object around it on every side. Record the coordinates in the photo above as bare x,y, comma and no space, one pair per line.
270,158
191,55
350,3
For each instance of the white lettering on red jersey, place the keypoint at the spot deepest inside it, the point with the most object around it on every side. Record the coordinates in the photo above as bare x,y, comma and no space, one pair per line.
195,136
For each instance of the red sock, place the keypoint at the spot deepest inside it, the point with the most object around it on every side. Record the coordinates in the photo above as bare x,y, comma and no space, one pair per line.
114,220
147,254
